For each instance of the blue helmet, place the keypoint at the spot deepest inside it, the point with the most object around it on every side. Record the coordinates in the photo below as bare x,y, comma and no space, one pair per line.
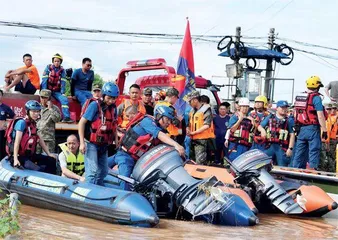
110,89
162,110
33,105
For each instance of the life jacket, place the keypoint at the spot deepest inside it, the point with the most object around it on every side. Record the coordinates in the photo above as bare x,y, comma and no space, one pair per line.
123,122
134,144
28,141
332,128
305,112
101,130
258,119
277,132
54,79
196,121
74,163
243,134
173,130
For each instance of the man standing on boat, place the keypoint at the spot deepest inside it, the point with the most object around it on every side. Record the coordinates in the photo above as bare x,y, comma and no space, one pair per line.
280,137
50,115
144,132
310,117
71,159
54,79
97,128
5,113
82,80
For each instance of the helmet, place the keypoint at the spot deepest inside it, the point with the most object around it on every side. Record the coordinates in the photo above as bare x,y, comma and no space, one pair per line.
162,110
110,89
33,105
244,102
314,82
263,99
57,56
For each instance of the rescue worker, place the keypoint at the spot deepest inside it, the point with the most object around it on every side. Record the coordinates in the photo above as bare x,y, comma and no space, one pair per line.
22,138
280,137
50,115
5,113
96,91
328,156
175,129
143,133
134,93
82,80
97,128
221,122
310,116
333,88
201,127
241,130
259,114
54,79
71,159
25,79
147,101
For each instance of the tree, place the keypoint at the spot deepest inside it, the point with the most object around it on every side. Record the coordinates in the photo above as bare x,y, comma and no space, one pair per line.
97,80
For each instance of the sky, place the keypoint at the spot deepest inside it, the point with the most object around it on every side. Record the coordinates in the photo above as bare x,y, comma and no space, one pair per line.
302,20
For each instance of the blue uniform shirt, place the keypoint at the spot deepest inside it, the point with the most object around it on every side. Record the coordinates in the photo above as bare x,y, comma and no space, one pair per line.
233,120
147,126
81,80
5,112
20,125
221,126
45,77
317,102
291,122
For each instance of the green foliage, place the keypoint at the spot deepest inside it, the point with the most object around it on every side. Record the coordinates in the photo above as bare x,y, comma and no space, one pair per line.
9,224
97,80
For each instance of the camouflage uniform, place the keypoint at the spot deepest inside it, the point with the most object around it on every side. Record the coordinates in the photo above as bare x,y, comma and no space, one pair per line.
46,124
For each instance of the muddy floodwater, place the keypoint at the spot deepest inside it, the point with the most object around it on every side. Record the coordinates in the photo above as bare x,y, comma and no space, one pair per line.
44,224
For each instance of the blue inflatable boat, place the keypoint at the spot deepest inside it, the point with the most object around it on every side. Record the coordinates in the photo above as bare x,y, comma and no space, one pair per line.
62,194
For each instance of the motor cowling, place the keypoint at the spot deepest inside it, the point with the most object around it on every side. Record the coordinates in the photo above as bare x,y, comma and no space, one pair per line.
162,169
252,168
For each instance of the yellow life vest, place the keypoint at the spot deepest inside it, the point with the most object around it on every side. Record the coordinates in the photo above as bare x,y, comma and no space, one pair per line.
126,104
74,163
196,121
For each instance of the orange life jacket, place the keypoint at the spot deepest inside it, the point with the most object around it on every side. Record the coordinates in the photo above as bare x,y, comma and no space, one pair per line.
54,79
28,141
305,112
173,130
101,130
134,144
123,121
332,128
196,121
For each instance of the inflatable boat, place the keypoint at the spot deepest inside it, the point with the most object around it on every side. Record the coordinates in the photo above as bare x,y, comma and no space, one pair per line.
62,194
250,171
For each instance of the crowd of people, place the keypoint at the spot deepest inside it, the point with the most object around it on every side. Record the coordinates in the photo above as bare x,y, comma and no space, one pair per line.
302,135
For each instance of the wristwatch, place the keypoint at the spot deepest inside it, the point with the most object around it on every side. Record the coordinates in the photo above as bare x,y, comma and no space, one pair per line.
291,149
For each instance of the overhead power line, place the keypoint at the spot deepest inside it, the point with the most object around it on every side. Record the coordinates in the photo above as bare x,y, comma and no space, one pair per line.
315,54
307,44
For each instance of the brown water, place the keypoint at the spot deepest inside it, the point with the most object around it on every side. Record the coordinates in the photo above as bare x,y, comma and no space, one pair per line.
44,224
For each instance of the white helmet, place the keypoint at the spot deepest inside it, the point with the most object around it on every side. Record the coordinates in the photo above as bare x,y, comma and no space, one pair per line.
244,102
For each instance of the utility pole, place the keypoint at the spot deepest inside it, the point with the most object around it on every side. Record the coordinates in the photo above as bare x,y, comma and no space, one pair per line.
239,68
268,84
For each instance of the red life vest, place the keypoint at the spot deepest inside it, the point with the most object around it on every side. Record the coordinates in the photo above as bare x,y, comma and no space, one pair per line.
101,130
306,113
277,132
54,79
258,119
243,135
28,141
134,144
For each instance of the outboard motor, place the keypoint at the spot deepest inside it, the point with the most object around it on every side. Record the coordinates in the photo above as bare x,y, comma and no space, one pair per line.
160,176
251,169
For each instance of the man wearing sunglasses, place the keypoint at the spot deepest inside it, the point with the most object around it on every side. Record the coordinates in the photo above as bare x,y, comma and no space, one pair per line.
82,80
